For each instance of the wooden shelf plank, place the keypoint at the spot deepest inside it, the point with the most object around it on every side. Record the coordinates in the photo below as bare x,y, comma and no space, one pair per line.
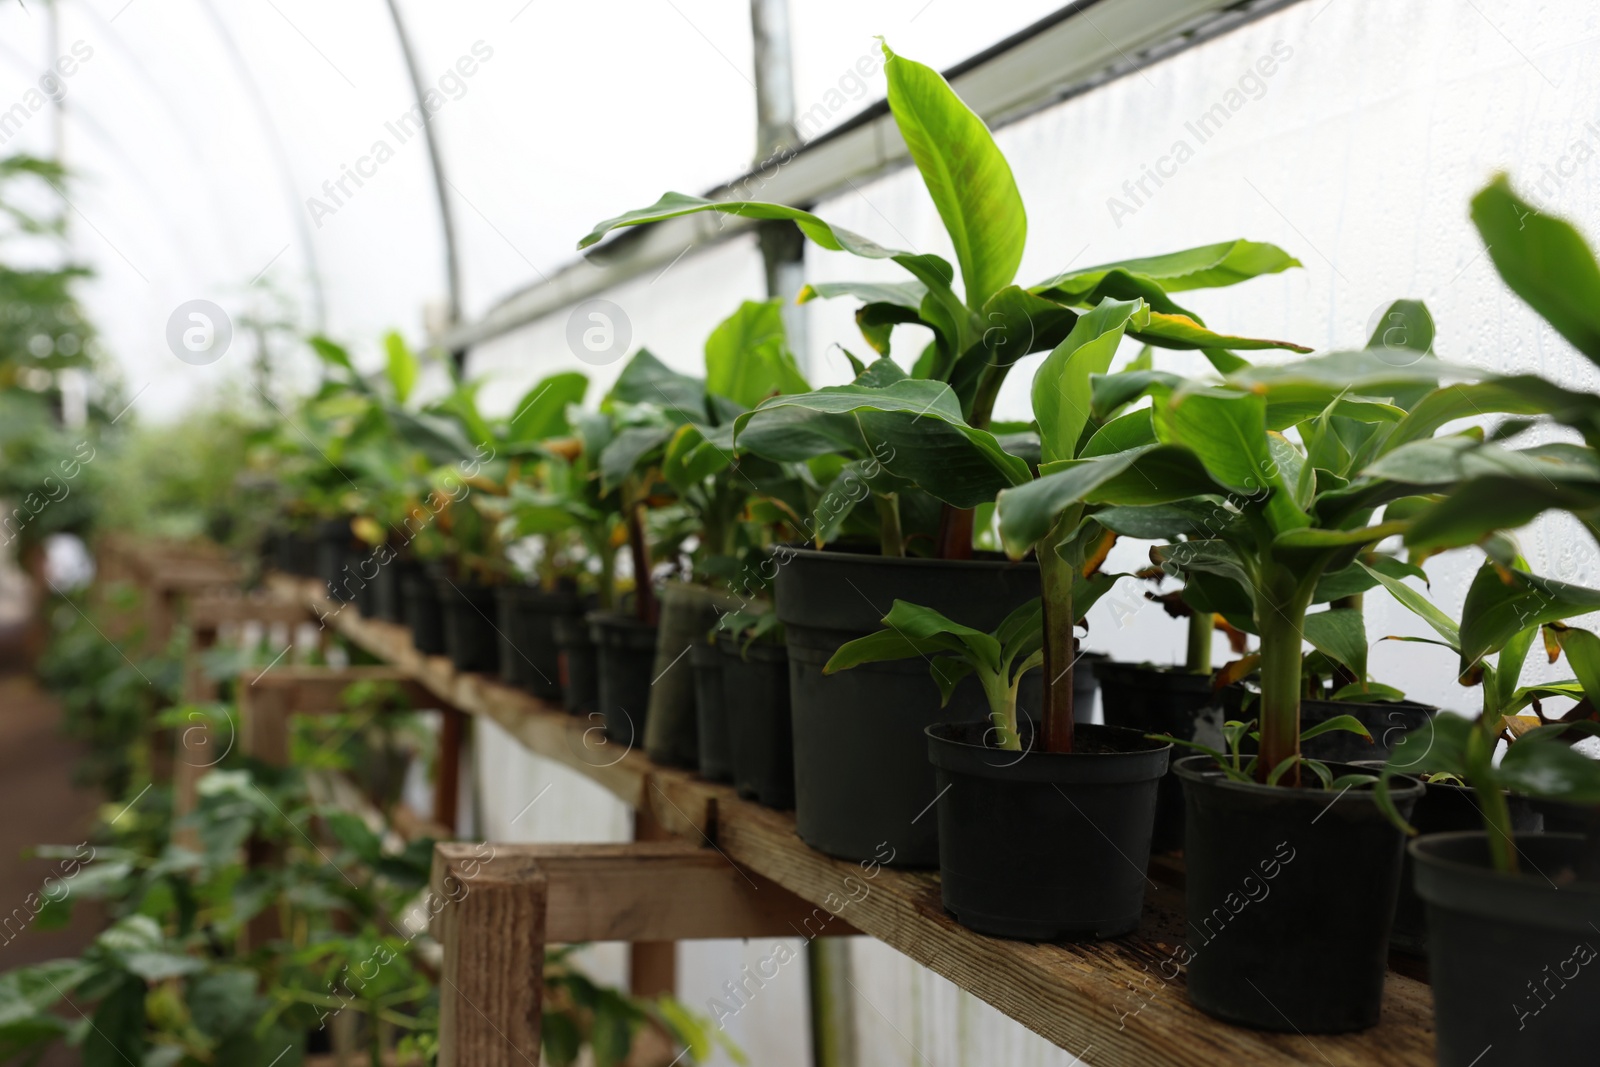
1113,1003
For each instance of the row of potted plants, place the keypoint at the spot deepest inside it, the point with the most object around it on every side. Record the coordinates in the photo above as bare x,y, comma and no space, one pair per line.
1277,493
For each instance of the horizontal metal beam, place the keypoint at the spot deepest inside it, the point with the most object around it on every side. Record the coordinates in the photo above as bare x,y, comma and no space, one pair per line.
1083,45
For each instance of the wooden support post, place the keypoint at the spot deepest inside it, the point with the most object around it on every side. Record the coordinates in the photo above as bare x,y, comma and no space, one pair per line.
496,907
652,965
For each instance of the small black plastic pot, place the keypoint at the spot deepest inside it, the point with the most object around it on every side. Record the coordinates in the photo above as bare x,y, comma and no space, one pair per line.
577,664
626,654
1040,845
713,736
1290,893
1445,808
861,775
388,589
1513,957
423,611
1157,700
688,611
366,568
755,693
528,654
334,553
470,639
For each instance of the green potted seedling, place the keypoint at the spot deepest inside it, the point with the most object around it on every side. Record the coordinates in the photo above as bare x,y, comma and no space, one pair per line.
1290,520
980,329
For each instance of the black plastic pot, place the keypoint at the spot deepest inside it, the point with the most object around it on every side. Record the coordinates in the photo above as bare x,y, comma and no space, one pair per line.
1513,958
713,736
688,612
1039,845
1157,700
1290,893
470,637
755,693
861,776
528,654
1445,808
423,612
1085,684
334,552
1387,721
626,654
365,569
577,664
388,592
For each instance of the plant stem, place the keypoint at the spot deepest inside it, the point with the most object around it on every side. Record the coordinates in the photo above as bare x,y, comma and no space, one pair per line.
644,599
1002,710
1198,658
955,533
1281,614
608,573
891,542
1060,647
1496,812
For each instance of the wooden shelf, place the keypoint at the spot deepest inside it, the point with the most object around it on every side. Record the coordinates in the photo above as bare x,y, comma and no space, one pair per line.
1111,1003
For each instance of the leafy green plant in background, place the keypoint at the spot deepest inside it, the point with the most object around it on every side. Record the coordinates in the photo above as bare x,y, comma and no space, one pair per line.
953,651
1506,609
977,337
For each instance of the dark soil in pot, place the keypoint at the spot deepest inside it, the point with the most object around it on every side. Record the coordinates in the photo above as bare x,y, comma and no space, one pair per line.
862,779
713,736
755,688
1514,962
1041,846
470,637
577,664
526,615
423,611
1159,700
626,654
688,612
1289,893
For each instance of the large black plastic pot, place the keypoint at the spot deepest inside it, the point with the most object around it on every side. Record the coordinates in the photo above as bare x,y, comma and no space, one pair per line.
1512,957
755,693
626,651
1039,845
1157,700
1387,721
577,664
712,736
470,639
1290,893
688,612
528,654
423,611
862,776
1445,808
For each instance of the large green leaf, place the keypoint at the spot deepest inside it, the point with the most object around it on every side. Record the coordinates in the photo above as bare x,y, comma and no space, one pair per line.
542,411
647,380
1405,325
748,357
1504,601
1205,267
1228,431
1545,261
1158,474
913,630
630,450
671,205
968,178
1061,386
1419,606
1521,394
1340,633
402,365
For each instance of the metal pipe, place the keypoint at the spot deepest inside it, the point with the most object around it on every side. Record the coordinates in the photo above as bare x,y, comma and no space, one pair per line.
452,262
782,246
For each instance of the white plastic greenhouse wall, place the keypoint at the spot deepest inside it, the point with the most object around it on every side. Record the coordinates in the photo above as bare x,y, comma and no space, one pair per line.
1358,152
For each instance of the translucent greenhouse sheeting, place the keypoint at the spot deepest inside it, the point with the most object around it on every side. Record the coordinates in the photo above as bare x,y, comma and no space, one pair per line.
266,156
1358,153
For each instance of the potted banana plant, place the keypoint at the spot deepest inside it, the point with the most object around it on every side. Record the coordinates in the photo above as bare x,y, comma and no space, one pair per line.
1033,844
1288,521
895,456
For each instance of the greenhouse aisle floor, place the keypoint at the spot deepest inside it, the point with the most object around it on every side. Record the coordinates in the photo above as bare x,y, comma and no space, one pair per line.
41,805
